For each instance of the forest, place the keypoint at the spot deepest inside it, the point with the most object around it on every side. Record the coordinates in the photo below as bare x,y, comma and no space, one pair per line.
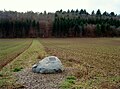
71,23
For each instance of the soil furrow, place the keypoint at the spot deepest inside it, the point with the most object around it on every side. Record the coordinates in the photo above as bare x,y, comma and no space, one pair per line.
12,57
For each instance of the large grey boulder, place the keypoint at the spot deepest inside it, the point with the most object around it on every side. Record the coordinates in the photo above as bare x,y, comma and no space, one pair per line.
50,64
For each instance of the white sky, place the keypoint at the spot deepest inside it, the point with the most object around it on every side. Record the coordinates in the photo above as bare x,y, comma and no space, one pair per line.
53,5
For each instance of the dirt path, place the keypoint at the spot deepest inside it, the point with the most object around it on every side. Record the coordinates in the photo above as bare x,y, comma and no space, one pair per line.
25,60
26,79
30,80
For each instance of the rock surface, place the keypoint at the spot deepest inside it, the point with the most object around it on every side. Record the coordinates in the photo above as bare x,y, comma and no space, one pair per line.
50,64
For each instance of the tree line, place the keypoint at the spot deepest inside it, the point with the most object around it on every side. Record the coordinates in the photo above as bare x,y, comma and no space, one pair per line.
82,24
19,28
74,23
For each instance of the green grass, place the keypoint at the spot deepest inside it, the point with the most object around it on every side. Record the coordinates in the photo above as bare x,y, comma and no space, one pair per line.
68,82
17,69
11,48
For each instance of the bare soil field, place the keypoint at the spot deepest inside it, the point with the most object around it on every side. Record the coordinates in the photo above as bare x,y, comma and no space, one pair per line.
97,60
90,63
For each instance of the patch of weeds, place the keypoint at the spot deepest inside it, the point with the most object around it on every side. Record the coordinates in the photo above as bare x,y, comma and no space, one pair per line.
19,86
68,82
2,82
83,85
17,69
71,78
1,75
114,79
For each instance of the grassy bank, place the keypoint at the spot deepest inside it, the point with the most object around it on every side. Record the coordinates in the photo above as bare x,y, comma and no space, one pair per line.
25,60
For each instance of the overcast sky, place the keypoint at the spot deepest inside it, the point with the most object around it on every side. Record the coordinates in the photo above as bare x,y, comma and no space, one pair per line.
53,5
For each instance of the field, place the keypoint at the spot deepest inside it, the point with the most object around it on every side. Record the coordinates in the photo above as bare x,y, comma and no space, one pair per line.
93,63
97,60
9,49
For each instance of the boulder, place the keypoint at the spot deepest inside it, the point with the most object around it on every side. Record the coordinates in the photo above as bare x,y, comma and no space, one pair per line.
50,64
